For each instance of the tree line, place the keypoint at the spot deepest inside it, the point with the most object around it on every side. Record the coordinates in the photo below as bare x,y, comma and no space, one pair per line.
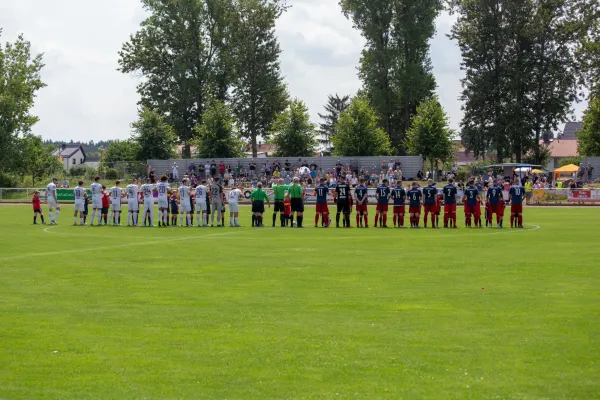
210,78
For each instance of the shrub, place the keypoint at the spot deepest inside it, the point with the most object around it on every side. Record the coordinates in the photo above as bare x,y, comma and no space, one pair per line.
7,180
111,174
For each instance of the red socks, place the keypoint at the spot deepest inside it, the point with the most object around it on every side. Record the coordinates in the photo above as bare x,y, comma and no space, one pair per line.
384,219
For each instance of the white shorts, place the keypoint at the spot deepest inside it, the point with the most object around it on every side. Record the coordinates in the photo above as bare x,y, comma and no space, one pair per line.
216,205
116,206
97,203
79,206
163,202
185,207
52,203
201,206
233,207
148,206
133,205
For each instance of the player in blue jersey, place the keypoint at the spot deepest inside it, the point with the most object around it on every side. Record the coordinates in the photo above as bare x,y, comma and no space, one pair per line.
399,197
321,191
493,197
382,194
516,193
414,197
361,195
450,193
471,202
429,202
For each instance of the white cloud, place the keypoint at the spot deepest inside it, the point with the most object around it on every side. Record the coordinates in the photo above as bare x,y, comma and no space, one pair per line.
87,98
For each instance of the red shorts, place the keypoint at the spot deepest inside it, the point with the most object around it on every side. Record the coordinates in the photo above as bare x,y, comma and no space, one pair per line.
516,209
429,208
471,210
322,208
494,209
362,208
382,207
436,209
477,210
450,208
414,210
399,209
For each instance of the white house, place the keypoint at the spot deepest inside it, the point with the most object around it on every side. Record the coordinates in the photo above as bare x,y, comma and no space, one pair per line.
71,155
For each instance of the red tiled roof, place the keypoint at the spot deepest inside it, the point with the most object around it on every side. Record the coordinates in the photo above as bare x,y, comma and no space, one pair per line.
563,148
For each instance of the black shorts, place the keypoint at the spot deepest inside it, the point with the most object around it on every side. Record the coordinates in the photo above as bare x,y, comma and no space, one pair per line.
279,206
37,210
104,210
343,206
258,206
297,205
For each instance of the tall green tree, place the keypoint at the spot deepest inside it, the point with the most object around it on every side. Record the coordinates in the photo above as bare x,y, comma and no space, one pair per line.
293,133
20,80
334,107
430,135
589,136
36,159
359,133
179,51
216,136
154,137
259,93
395,66
120,150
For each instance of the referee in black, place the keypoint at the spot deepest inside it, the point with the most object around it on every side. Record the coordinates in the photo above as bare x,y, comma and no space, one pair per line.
342,198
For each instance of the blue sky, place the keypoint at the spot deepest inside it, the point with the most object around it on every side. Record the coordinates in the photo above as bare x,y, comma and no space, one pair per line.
88,99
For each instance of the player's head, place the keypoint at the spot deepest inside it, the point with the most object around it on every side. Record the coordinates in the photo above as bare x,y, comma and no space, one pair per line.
204,181
342,178
117,183
97,179
430,181
148,180
495,181
450,180
414,185
36,192
103,187
399,183
296,180
516,180
385,181
185,181
361,181
322,181
134,181
80,183
163,178
259,185
471,182
55,180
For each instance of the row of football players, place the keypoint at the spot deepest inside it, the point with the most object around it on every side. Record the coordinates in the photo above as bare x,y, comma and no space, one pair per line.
429,199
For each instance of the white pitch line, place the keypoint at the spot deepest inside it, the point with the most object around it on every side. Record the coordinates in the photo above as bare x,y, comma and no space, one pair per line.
156,241
127,229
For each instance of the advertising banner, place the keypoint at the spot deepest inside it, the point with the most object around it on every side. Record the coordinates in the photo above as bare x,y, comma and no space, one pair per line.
584,196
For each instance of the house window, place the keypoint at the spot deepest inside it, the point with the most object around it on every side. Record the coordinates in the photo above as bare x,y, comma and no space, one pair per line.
81,161
74,161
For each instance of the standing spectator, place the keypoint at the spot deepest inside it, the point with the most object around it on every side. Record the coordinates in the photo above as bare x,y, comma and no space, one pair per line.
152,176
175,171
391,165
213,168
238,168
338,168
268,169
590,173
65,183
314,166
207,169
288,167
304,163
192,168
252,167
201,172
221,168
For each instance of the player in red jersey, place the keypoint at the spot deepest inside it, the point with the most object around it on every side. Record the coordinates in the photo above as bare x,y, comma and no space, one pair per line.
477,214
516,193
37,207
414,196
450,194
287,211
105,204
437,210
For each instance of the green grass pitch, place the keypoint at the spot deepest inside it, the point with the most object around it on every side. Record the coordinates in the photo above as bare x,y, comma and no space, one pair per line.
182,313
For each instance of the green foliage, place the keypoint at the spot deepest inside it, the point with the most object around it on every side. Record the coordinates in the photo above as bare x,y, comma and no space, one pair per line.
8,180
293,133
111,174
522,72
395,67
334,107
180,50
216,137
589,137
36,159
20,79
259,93
359,133
121,150
569,160
154,137
77,171
429,134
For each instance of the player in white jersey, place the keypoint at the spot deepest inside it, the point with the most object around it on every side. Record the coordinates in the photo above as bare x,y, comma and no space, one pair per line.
80,195
201,207
233,199
185,207
163,200
97,191
148,190
116,194
216,202
133,204
52,200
